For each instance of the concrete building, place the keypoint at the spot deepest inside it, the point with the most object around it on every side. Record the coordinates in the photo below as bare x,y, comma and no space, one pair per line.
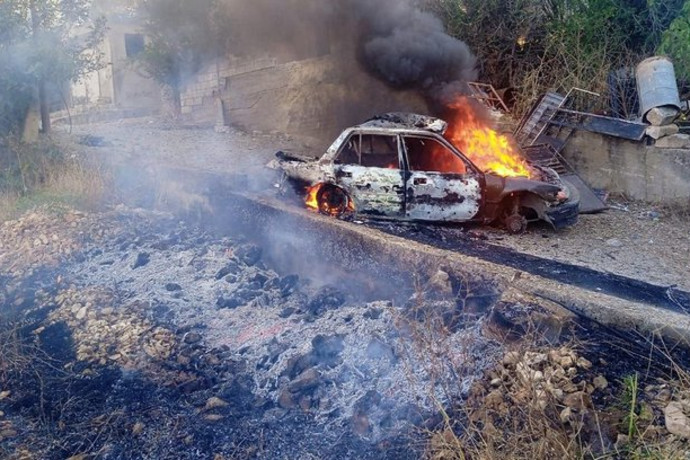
119,85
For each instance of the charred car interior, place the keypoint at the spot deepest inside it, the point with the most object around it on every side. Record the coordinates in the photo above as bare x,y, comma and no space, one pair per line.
402,167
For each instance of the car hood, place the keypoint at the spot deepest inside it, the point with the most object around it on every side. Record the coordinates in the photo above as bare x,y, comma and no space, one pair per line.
498,187
520,184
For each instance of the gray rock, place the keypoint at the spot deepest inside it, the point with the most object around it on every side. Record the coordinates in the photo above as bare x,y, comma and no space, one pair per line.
192,337
527,375
215,403
440,282
286,400
660,116
657,132
237,299
676,421
600,382
231,268
614,243
81,314
583,363
250,255
578,401
511,358
674,141
307,380
143,258
173,287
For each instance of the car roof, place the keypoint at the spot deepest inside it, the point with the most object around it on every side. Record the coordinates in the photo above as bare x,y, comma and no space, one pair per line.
407,122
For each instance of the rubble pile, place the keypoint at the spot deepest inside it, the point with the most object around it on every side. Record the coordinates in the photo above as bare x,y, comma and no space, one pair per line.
668,135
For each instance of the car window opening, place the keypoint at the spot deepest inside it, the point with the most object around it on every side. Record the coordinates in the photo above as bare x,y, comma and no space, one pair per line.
372,151
431,155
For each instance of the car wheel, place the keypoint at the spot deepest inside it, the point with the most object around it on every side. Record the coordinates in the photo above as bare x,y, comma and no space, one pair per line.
515,224
332,201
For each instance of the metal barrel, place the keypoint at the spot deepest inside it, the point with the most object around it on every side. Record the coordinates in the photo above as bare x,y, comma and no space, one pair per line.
656,84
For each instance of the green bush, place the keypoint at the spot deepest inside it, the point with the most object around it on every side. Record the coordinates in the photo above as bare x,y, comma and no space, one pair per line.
536,46
675,43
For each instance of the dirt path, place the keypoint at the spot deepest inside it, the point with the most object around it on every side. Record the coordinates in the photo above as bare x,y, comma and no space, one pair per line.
631,239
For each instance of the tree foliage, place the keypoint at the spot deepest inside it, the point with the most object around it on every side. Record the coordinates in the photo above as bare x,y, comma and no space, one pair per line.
42,41
536,45
182,36
675,43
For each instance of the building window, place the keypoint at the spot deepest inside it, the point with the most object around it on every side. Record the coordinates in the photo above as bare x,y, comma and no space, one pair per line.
134,44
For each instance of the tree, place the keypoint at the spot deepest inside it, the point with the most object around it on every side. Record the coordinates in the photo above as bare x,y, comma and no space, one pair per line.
675,43
506,36
537,45
44,42
181,37
15,81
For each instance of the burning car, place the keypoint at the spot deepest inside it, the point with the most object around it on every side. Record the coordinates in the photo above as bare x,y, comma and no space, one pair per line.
411,167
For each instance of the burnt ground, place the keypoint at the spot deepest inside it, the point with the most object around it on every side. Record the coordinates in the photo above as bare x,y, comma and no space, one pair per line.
130,334
480,245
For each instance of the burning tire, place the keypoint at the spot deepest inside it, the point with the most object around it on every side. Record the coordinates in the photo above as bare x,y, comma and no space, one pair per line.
332,200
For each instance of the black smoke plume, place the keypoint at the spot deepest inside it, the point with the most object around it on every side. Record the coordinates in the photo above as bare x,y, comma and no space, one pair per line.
408,48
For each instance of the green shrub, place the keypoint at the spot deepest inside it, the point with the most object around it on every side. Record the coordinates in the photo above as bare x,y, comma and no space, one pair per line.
675,43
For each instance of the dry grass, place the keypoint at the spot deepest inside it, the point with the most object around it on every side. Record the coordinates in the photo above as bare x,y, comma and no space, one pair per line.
508,416
41,174
79,178
8,205
15,355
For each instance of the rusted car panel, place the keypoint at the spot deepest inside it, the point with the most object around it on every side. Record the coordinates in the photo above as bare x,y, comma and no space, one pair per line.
380,168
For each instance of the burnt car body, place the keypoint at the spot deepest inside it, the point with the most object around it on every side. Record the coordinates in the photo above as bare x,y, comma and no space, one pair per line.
382,169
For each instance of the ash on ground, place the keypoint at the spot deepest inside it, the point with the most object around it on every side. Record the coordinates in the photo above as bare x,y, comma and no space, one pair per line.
130,334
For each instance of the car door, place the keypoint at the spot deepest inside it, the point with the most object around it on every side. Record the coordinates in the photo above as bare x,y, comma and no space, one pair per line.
368,168
440,185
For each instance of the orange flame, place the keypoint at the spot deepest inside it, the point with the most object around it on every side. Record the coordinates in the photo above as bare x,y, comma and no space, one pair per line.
311,198
487,149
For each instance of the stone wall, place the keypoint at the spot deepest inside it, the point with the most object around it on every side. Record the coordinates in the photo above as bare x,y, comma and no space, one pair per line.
634,169
314,98
200,93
